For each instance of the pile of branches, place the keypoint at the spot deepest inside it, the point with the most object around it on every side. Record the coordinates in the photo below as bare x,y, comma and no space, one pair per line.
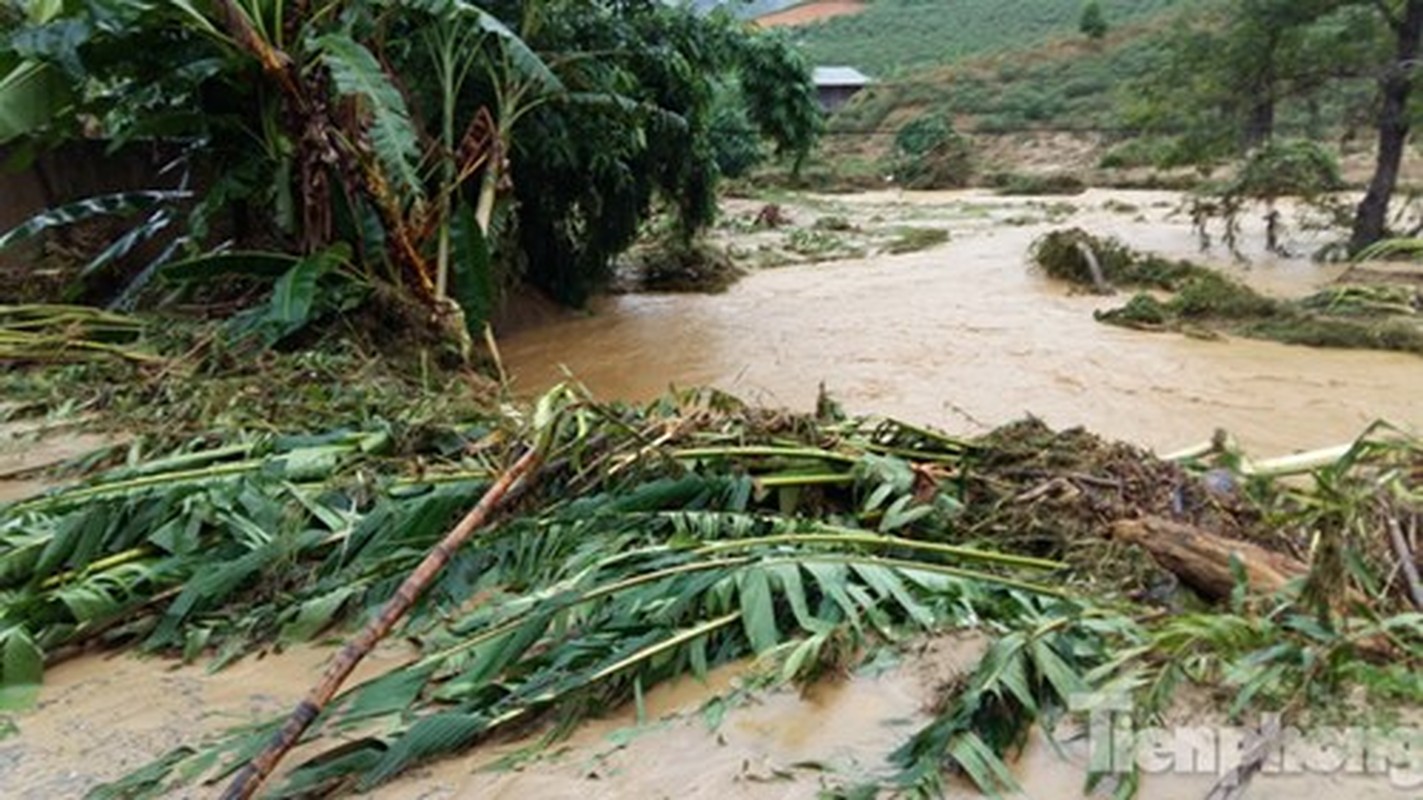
654,542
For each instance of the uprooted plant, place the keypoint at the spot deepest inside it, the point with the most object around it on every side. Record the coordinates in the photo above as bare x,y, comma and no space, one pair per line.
1204,301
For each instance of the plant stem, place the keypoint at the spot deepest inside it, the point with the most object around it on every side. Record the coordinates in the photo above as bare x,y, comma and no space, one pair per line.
255,772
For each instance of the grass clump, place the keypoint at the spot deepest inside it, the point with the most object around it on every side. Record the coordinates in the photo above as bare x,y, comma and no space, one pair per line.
912,240
1053,183
670,264
1060,255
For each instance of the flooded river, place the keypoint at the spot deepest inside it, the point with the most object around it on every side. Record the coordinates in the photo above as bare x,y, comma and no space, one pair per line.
966,336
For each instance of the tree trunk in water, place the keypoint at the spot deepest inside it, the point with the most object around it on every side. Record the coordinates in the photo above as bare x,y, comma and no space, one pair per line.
1372,217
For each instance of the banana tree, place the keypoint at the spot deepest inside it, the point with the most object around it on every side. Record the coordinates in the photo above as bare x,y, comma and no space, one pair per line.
348,117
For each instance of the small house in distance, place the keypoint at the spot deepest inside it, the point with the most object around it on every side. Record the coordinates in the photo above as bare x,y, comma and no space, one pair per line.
834,86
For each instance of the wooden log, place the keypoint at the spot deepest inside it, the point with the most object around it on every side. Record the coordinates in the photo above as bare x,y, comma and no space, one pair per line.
1201,559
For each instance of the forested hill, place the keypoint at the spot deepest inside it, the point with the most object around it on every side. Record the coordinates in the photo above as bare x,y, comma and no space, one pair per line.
893,36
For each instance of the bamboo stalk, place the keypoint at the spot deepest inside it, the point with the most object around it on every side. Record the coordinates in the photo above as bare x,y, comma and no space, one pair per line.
780,481
834,535
252,776
770,452
1406,561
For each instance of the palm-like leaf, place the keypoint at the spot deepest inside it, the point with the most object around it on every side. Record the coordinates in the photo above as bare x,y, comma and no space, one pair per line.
394,137
526,63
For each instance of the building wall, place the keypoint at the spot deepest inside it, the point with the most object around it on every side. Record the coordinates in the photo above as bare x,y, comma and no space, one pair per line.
833,97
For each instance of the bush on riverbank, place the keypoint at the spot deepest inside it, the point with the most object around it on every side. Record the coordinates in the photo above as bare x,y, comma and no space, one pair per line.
1379,317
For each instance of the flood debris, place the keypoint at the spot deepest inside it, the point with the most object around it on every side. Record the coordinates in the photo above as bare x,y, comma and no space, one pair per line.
60,333
669,264
1185,297
697,531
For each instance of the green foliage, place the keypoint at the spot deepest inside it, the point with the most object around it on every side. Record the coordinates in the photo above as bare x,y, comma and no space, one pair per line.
473,284
1289,168
1093,22
1205,300
736,140
929,155
912,240
1299,169
371,134
1228,79
891,37
1059,254
740,533
1051,183
356,73
585,186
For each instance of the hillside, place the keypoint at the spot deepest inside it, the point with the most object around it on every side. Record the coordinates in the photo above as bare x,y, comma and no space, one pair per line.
893,36
1062,83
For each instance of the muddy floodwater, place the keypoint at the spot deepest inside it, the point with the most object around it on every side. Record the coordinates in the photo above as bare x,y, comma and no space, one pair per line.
962,335
965,336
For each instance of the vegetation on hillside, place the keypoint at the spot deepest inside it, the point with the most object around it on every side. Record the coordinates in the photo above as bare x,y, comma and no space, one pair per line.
892,37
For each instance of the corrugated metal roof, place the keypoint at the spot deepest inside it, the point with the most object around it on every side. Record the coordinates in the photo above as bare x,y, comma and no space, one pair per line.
840,76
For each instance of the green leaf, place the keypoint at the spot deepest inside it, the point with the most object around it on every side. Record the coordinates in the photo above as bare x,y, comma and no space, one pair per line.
981,764
21,670
522,57
434,735
81,210
391,693
295,294
888,586
316,614
31,95
758,610
393,135
1051,666
472,279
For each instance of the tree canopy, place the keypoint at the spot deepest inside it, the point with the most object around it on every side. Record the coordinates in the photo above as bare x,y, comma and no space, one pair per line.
407,139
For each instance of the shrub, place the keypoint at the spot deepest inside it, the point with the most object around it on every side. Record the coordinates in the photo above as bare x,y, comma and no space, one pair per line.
928,154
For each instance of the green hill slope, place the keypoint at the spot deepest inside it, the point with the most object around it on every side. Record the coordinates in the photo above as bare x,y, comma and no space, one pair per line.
892,36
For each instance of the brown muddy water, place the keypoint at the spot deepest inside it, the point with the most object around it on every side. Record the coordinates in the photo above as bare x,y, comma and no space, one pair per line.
966,336
963,336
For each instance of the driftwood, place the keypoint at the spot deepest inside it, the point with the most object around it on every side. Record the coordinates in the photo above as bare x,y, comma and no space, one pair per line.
1202,560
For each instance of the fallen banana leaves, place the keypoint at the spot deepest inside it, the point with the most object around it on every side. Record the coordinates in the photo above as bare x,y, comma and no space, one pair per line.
670,540
51,333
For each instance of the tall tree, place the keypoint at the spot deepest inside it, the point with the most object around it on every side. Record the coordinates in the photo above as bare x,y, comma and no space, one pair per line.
1226,73
1405,20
